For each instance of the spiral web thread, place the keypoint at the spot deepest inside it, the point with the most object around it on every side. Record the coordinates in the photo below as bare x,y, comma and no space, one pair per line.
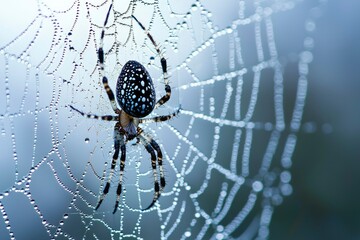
227,156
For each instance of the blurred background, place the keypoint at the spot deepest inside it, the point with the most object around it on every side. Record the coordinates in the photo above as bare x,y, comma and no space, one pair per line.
326,163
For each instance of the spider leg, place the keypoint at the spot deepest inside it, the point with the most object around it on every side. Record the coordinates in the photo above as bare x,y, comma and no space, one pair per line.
159,160
108,90
164,98
147,142
163,62
118,141
105,118
162,118
122,167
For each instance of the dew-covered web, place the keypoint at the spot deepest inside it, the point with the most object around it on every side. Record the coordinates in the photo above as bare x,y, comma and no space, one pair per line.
239,71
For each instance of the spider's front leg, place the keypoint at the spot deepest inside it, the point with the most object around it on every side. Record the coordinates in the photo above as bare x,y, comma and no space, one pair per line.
163,63
150,145
101,59
119,144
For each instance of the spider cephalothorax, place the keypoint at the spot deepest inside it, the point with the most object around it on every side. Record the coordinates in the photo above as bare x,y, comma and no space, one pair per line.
135,93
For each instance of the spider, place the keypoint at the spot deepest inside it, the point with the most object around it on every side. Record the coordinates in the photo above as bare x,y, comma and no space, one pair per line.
135,93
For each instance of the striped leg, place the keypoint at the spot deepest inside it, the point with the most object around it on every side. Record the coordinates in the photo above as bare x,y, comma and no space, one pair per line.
105,118
163,62
164,98
146,141
122,167
108,90
118,141
159,160
159,118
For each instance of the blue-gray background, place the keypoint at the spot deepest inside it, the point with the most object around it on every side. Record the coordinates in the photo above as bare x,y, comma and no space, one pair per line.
326,170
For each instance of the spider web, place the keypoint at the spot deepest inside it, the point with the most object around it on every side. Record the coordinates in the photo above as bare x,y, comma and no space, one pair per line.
239,71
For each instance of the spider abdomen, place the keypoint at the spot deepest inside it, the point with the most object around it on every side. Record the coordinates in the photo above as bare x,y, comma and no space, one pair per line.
135,90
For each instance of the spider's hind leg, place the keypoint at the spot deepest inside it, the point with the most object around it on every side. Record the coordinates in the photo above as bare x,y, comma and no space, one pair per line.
159,160
150,145
122,167
119,143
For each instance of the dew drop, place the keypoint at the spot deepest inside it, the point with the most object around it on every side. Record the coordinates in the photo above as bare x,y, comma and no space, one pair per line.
87,140
286,189
257,186
219,236
193,7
